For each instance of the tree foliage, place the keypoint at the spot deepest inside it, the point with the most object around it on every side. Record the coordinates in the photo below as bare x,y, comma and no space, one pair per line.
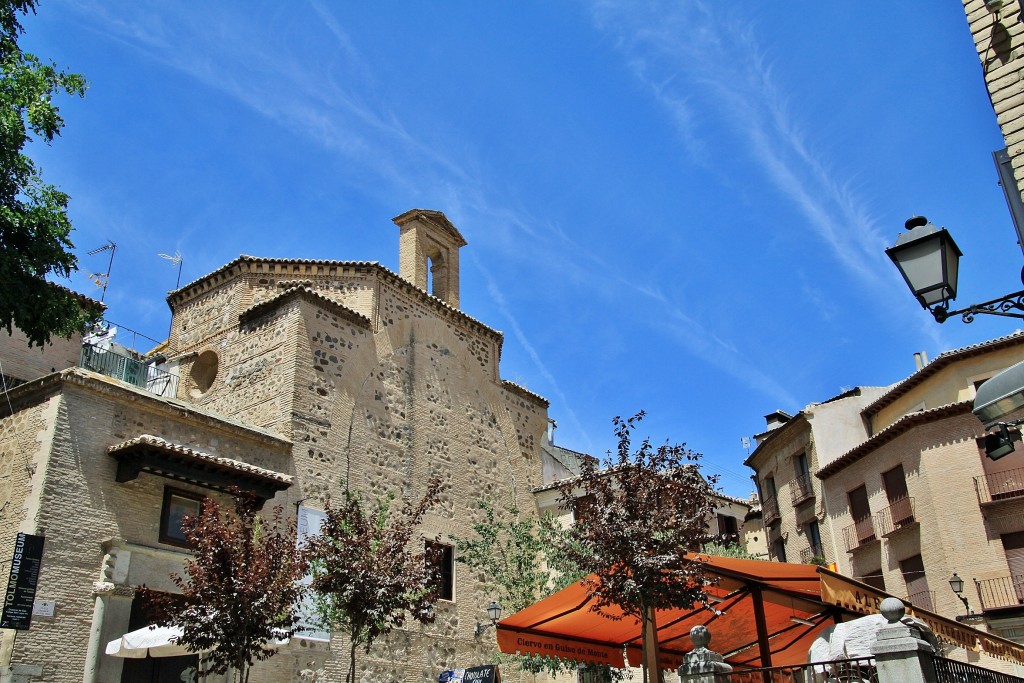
370,571
34,225
646,508
720,548
239,589
521,557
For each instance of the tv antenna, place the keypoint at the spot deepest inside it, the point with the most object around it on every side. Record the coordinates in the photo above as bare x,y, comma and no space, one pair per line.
103,279
175,260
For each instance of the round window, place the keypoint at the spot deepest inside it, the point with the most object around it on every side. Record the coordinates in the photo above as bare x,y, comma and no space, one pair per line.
203,373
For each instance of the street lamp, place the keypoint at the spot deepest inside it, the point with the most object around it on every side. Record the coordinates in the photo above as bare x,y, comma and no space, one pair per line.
957,584
929,259
493,613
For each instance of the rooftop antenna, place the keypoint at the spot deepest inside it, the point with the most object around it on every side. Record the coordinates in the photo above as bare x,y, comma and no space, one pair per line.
175,260
103,279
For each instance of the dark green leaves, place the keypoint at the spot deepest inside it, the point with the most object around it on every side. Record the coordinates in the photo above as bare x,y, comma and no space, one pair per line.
34,226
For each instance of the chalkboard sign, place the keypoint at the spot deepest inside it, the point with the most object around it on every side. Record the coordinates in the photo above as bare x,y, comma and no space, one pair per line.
482,674
487,673
21,582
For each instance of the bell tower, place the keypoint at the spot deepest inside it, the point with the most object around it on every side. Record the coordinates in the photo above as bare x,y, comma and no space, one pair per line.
428,253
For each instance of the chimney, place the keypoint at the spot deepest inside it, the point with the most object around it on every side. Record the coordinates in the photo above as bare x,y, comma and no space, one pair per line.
920,359
428,253
777,419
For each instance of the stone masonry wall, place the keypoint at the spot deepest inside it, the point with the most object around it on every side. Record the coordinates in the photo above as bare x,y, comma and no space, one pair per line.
999,39
91,522
19,361
940,461
382,387
777,461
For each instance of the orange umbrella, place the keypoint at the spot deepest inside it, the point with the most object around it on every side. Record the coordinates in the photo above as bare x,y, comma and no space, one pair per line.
761,614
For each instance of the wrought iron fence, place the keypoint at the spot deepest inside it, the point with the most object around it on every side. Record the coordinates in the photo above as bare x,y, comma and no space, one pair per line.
801,489
856,671
812,553
1003,591
127,369
859,533
898,515
770,509
1000,485
952,671
924,599
842,671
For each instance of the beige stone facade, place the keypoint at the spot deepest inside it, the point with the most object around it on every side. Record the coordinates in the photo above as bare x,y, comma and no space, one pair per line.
304,376
787,455
914,499
999,38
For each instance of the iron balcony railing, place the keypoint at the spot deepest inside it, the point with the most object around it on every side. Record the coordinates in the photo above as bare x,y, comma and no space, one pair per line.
814,552
128,369
859,533
952,671
1000,485
801,489
770,508
1004,591
899,514
860,670
922,599
857,671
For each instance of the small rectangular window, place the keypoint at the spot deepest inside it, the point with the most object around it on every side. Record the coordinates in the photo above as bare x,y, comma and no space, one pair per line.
176,506
441,558
583,507
728,528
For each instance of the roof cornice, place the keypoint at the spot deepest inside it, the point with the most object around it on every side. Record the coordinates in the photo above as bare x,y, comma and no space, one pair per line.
897,428
943,360
246,265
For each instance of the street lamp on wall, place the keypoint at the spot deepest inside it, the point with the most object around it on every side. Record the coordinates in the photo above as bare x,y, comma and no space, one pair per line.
957,584
493,613
929,261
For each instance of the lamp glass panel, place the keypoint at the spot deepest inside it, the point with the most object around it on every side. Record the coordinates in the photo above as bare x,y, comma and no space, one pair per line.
957,584
922,265
494,611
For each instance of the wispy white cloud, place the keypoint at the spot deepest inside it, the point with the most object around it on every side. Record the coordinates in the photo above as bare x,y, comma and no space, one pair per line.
333,102
675,47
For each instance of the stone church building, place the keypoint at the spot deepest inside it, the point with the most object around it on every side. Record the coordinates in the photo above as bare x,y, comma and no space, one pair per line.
289,378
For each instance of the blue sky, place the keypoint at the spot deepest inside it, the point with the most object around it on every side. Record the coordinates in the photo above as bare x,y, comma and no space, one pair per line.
680,207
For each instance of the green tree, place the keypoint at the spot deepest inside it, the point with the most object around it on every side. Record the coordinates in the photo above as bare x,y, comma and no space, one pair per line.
719,548
369,574
522,560
240,587
34,225
646,507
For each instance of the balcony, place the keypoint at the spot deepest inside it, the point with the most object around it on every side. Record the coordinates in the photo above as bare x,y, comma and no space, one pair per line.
800,489
1005,591
899,515
126,368
922,599
1007,485
811,553
770,510
859,534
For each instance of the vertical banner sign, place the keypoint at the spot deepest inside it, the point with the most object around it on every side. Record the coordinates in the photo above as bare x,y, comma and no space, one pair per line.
21,582
309,525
